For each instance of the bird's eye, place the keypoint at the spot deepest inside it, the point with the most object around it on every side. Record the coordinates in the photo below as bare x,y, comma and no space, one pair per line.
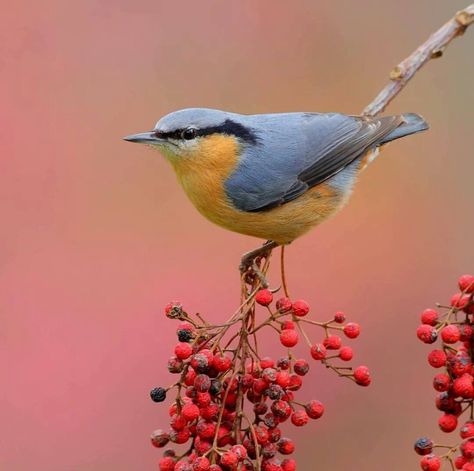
188,134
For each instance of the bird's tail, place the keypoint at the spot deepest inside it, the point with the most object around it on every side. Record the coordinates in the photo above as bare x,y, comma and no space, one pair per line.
412,123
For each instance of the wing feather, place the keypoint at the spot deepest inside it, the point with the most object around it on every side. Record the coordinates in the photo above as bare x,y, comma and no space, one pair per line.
300,152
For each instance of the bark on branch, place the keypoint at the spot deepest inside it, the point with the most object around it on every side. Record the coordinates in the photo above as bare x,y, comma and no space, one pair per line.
434,47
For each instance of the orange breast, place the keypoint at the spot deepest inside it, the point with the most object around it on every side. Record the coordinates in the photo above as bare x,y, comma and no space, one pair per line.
203,174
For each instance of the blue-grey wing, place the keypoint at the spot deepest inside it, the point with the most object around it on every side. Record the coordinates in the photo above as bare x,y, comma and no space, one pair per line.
297,151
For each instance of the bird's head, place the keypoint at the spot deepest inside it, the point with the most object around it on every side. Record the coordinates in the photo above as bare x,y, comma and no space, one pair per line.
195,133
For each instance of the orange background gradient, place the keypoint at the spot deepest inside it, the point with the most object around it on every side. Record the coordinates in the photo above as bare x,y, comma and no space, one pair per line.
96,236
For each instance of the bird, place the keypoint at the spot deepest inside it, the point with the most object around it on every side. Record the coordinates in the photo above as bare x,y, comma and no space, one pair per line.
272,176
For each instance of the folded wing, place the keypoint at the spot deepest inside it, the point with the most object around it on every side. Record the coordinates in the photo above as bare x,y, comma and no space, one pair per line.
301,150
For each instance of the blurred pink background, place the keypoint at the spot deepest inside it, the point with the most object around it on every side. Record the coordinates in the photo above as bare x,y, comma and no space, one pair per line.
96,235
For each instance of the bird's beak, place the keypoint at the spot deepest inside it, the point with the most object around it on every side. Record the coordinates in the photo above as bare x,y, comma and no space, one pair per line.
144,138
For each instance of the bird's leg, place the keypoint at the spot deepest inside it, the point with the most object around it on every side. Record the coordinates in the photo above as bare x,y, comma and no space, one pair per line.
249,263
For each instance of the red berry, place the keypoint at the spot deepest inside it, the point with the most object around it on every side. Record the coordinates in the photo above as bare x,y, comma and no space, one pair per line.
300,308
273,464
427,333
441,382
459,364
180,437
209,412
190,412
208,354
314,409
346,354
295,383
333,342
178,422
269,375
185,326
446,403
460,300
200,362
259,386
183,465
466,283
267,362
281,409
469,308
318,351
160,438
299,418
274,434
205,429
450,334
352,330
173,409
289,338
288,325
467,332
430,463
469,466
202,383
175,365
260,408
222,363
261,432
463,386
467,448
183,350
460,461
201,464
424,446
283,378
203,399
467,430
286,446
283,305
429,317
437,358
362,376
166,463
301,367
448,423
339,317
190,377
240,451
229,459
264,297
288,464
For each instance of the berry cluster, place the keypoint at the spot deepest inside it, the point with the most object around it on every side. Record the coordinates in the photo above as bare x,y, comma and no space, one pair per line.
455,383
230,401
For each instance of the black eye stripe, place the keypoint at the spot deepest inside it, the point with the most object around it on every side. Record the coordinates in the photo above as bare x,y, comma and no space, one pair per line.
229,127
169,135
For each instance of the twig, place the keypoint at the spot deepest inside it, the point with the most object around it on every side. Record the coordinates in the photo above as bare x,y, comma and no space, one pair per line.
434,47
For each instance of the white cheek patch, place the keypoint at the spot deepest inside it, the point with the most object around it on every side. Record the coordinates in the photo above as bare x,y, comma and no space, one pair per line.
186,146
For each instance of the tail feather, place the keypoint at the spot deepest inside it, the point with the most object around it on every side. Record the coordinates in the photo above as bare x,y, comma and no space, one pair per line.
412,123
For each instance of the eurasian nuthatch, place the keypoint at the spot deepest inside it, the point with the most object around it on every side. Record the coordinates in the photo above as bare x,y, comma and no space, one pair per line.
272,176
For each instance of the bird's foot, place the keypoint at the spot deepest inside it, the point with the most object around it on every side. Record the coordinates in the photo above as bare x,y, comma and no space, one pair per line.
250,263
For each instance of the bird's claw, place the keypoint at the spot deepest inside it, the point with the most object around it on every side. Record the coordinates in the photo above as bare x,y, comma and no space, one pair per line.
249,270
250,266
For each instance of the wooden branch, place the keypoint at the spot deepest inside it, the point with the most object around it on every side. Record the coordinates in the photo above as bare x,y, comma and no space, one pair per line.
431,49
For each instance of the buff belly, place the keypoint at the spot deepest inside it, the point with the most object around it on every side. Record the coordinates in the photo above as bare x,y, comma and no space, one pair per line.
282,224
202,179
